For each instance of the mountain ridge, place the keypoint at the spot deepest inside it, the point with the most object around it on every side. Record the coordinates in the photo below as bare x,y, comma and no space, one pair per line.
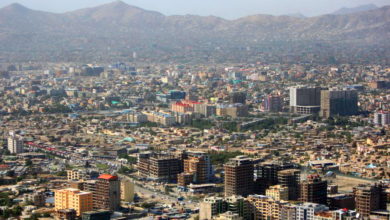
122,27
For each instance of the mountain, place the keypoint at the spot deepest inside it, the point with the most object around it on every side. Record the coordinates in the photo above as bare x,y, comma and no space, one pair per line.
344,11
296,15
114,31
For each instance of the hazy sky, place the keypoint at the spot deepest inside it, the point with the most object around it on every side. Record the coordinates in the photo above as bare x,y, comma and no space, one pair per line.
222,8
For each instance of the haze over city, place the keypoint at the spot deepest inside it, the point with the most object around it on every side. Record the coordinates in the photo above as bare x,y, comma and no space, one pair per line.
230,9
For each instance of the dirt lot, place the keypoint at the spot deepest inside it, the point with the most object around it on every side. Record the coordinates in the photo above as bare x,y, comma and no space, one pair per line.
347,183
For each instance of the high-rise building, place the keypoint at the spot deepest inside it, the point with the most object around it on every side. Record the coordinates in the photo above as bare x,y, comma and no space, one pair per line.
73,199
338,102
97,215
277,192
264,207
211,207
305,100
199,166
160,167
107,192
266,175
238,97
314,190
290,178
239,174
382,118
15,143
369,198
273,103
127,190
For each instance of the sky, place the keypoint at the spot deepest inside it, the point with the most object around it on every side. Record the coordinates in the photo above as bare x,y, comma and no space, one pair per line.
229,9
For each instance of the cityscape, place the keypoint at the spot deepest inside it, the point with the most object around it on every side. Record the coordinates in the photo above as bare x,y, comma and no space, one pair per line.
206,127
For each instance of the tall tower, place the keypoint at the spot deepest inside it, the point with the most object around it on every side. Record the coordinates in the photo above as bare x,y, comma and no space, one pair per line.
369,198
107,192
239,176
15,143
314,189
290,178
338,102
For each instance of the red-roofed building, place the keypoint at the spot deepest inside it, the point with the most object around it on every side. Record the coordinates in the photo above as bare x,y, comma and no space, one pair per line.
184,106
107,192
108,177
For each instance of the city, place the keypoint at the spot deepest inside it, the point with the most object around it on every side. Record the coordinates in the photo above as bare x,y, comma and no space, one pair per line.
145,139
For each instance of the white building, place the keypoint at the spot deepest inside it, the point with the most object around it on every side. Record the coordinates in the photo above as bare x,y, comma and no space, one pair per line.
382,118
15,143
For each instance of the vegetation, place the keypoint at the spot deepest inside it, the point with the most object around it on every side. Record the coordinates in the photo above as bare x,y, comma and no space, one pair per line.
130,160
219,158
102,166
202,124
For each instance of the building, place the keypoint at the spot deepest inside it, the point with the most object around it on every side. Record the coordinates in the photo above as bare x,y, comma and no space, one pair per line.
159,167
66,214
211,207
338,102
264,207
73,199
160,118
15,143
382,118
266,175
314,190
36,198
127,190
341,201
308,210
137,117
239,176
238,97
277,192
107,192
305,100
290,178
273,103
229,216
196,167
97,215
369,198
232,110
206,110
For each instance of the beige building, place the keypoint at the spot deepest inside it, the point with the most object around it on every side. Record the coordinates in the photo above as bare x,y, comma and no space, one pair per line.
264,207
277,192
73,199
127,190
229,216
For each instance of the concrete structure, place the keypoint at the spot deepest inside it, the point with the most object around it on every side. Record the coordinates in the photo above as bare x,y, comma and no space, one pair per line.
305,100
264,207
229,216
211,207
127,190
239,176
97,215
382,118
273,103
159,167
238,97
290,178
36,198
73,199
277,192
232,110
369,198
15,143
338,102
197,165
107,192
314,189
